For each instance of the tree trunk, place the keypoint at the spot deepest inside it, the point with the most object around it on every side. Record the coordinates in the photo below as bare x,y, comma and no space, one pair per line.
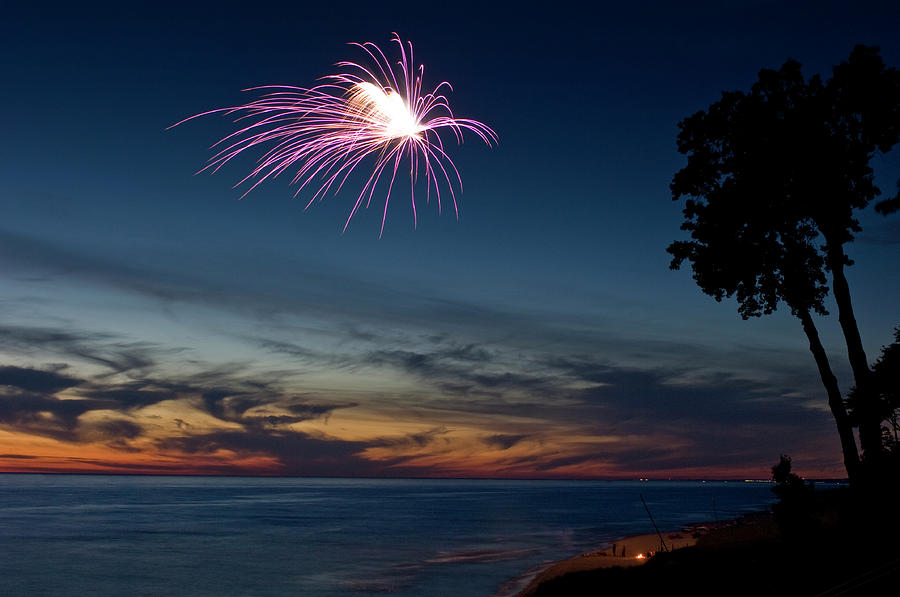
866,410
835,402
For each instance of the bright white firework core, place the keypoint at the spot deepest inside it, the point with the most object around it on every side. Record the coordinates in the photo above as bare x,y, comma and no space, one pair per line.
386,110
328,131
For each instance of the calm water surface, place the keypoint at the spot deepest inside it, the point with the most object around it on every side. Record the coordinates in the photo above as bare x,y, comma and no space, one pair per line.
115,535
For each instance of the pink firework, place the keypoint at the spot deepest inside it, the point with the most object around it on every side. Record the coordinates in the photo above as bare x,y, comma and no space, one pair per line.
377,114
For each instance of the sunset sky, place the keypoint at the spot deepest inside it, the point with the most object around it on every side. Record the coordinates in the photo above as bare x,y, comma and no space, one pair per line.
150,321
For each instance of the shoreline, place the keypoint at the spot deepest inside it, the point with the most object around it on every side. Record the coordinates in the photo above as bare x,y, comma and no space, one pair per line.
638,549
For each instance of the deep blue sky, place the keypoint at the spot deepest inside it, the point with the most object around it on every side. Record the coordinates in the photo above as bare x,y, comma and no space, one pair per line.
542,331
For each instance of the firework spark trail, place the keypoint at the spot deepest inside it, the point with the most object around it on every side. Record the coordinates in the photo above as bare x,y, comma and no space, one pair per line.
328,130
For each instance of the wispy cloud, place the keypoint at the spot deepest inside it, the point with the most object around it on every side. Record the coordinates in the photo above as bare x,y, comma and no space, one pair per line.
403,383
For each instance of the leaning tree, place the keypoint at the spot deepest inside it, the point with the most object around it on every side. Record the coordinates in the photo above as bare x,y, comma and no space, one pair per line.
741,244
773,179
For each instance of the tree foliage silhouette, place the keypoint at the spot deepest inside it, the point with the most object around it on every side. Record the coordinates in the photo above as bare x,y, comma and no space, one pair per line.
794,510
773,179
886,387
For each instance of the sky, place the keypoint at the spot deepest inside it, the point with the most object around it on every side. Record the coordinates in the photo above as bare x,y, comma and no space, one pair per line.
152,321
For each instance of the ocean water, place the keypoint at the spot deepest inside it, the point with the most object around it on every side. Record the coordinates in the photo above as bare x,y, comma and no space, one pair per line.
203,536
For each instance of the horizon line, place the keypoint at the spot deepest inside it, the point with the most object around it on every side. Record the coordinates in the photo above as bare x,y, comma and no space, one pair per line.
420,478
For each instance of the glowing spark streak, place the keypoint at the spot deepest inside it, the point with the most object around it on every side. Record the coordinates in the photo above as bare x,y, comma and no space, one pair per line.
330,129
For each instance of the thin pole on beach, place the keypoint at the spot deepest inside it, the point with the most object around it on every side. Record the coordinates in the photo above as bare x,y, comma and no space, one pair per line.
661,540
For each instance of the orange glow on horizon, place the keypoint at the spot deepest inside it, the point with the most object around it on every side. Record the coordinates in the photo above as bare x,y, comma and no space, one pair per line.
386,444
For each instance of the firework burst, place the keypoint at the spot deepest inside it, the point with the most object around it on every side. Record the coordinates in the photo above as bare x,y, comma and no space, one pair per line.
377,114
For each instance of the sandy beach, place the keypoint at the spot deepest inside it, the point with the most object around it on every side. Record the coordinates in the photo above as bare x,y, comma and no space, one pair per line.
746,556
628,551
635,550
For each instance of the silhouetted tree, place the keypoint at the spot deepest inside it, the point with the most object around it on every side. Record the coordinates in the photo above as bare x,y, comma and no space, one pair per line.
776,172
887,384
886,387
855,114
794,512
743,243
